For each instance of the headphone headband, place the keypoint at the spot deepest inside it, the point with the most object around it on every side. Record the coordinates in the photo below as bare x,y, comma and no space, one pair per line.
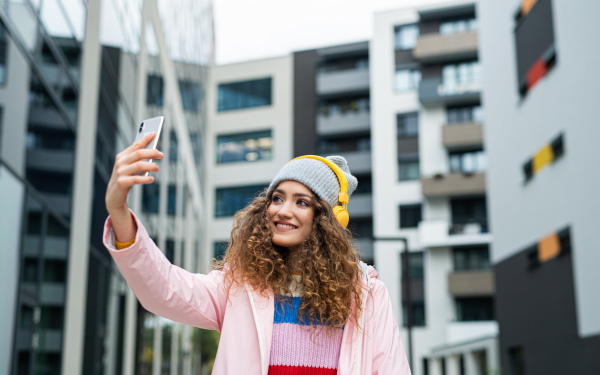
343,196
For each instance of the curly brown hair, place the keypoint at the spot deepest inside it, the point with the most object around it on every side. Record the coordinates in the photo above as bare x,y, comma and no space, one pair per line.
330,272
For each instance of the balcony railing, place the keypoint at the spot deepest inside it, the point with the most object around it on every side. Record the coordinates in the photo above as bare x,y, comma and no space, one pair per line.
343,123
471,283
453,184
351,80
467,134
442,233
433,91
446,47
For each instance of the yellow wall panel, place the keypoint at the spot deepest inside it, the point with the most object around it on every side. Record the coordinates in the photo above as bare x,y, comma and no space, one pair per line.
544,157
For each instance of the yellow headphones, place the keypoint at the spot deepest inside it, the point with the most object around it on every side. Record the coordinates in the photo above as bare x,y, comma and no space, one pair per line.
340,212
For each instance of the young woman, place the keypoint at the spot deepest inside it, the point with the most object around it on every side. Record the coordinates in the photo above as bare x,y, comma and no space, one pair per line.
290,296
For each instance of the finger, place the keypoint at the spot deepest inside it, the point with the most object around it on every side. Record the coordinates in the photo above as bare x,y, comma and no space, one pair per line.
126,182
143,142
137,167
137,155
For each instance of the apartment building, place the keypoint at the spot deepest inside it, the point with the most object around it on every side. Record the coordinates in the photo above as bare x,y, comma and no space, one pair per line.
332,117
541,94
72,104
249,138
429,186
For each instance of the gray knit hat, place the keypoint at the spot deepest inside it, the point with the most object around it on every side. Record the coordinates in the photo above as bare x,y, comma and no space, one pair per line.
317,176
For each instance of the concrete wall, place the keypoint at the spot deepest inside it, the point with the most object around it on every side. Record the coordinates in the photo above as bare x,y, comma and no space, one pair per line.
565,100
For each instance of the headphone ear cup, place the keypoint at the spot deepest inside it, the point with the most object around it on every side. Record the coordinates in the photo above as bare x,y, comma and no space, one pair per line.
341,215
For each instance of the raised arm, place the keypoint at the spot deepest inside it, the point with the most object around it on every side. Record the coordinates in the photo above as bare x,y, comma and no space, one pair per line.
127,163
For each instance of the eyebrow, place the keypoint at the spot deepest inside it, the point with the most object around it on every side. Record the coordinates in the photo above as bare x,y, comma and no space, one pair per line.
295,194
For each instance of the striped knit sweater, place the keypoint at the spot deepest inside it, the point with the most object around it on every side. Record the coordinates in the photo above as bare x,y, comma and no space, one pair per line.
298,350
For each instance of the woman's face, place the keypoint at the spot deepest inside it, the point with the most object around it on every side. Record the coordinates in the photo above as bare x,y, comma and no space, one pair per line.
291,214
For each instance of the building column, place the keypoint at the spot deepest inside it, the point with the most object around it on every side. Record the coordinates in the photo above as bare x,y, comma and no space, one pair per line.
453,365
83,187
435,366
471,364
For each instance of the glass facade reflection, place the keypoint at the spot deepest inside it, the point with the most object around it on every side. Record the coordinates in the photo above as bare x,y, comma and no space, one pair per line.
41,74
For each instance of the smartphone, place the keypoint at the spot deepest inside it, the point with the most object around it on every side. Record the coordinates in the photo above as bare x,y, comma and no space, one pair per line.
148,126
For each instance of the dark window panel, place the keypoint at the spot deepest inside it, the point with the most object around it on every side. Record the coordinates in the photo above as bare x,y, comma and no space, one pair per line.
245,147
154,90
474,309
410,215
471,258
230,200
408,124
246,94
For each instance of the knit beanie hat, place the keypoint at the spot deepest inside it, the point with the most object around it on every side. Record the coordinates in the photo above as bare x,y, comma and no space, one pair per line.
317,176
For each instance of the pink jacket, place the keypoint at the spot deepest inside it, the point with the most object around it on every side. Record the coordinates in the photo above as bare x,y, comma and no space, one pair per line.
245,320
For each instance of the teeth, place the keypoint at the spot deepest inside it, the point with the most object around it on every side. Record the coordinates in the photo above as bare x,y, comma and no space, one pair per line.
286,226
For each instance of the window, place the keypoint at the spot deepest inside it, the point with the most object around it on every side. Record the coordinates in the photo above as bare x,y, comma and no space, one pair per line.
410,215
471,258
407,79
251,146
474,309
408,167
534,43
219,249
246,94
173,149
344,63
458,78
468,162
471,113
154,90
416,273
516,358
405,36
230,200
458,26
364,185
466,212
3,54
344,144
150,198
361,228
172,200
408,124
190,95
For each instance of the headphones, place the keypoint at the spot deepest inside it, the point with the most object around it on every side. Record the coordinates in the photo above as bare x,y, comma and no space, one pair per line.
340,211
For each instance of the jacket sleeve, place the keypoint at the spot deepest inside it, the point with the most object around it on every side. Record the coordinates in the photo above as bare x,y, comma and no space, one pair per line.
167,290
388,352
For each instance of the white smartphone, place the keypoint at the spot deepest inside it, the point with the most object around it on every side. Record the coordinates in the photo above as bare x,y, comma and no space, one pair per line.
148,126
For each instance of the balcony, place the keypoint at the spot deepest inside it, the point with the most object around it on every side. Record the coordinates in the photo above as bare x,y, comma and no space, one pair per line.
51,160
343,81
434,48
343,123
359,161
471,283
462,135
453,184
466,331
432,91
441,233
360,205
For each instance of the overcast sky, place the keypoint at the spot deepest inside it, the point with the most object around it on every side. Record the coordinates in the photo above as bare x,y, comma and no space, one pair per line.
254,29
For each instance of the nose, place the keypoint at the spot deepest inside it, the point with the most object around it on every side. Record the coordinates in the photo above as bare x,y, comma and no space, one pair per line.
285,210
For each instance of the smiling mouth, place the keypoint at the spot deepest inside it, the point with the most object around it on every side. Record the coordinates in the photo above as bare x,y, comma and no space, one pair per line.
284,226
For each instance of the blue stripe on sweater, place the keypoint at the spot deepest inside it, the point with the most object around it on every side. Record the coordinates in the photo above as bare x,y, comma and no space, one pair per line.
288,313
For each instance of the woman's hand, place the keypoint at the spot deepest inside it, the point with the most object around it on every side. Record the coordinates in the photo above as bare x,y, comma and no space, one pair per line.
127,163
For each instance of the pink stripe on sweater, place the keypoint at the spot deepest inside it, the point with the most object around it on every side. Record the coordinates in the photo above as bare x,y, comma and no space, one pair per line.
295,345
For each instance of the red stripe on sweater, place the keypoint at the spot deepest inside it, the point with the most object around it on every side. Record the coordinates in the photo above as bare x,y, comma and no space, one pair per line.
300,370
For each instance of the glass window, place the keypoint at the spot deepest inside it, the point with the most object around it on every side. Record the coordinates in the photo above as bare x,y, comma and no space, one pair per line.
410,215
150,198
455,76
251,146
345,63
172,200
474,309
468,162
471,113
154,90
458,26
344,144
230,200
469,211
190,95
364,185
408,124
405,36
407,79
418,314
219,249
3,54
344,106
416,273
471,258
408,167
361,228
246,94
173,149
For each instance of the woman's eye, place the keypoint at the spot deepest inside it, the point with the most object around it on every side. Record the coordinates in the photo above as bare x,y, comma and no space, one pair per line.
277,198
303,203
